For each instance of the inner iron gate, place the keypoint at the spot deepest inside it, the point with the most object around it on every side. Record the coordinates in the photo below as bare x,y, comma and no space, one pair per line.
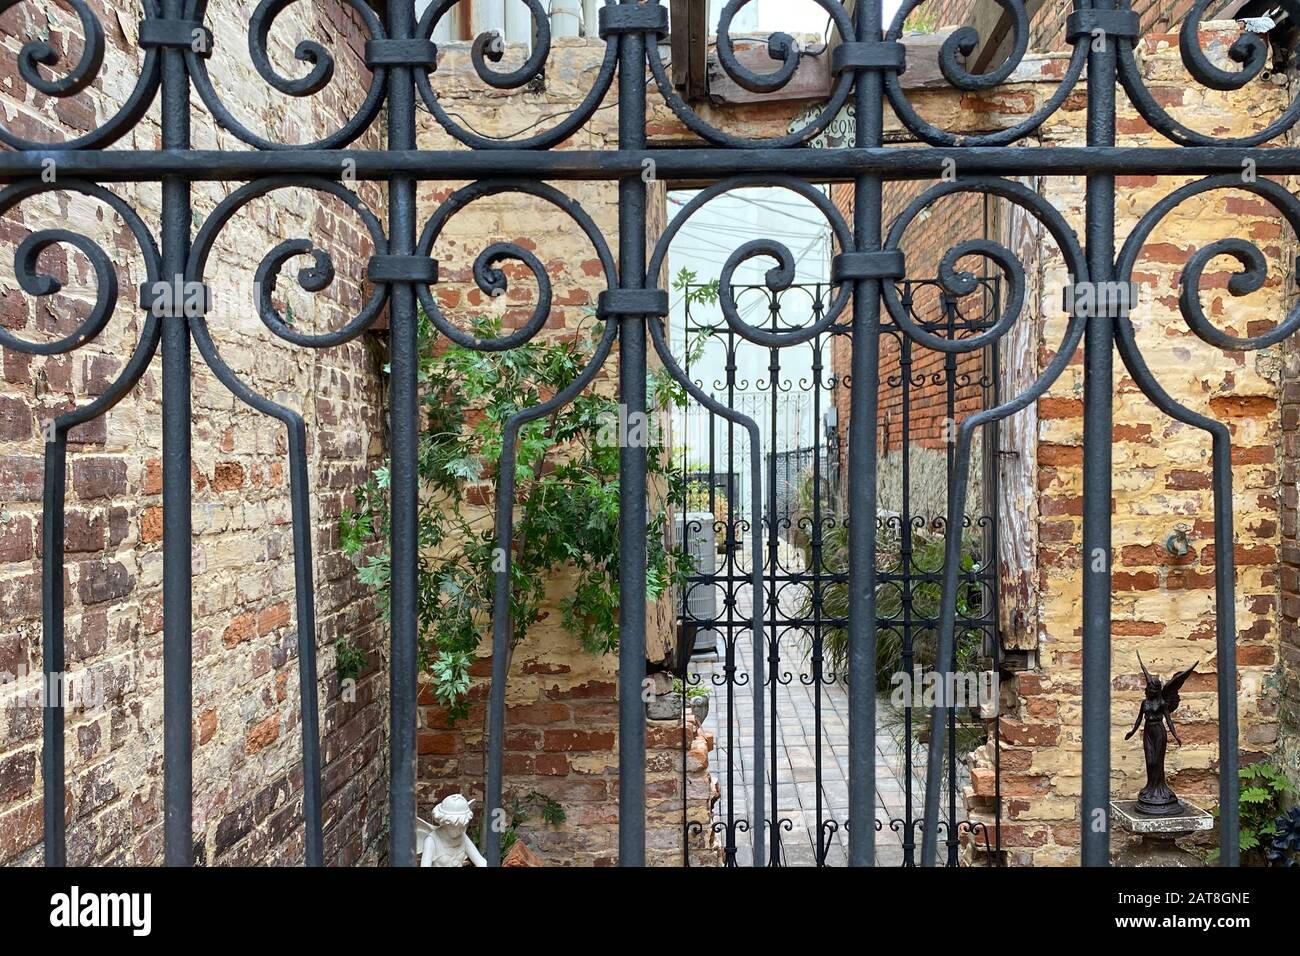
867,61
797,401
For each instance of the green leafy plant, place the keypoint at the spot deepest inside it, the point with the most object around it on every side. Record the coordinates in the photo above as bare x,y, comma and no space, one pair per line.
694,692
695,292
517,809
1264,789
566,505
349,660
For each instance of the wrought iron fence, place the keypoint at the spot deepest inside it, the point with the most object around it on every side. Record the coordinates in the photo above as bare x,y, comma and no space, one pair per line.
867,62
805,571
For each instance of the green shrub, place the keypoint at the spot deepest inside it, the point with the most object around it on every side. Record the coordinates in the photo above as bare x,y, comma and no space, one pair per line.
349,660
567,503
1264,789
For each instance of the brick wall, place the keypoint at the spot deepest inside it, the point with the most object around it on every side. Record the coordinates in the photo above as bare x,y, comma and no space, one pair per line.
247,776
1163,606
1287,684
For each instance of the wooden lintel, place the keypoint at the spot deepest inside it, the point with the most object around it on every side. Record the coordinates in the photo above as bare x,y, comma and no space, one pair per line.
812,80
994,25
689,36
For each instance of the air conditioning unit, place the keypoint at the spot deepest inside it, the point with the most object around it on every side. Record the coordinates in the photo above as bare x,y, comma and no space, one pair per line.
695,533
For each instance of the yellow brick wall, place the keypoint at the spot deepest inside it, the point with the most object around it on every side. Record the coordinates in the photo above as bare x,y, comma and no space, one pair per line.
1163,606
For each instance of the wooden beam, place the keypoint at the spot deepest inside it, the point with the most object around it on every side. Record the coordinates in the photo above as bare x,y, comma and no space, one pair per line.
689,20
994,25
812,80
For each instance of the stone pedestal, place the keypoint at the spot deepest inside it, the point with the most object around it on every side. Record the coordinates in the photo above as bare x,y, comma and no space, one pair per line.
1155,836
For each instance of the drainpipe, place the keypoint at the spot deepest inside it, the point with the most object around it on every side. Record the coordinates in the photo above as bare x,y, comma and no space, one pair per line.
591,18
490,15
519,24
566,18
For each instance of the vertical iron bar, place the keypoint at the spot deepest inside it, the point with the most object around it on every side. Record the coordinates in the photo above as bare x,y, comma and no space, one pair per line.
867,195
992,498
304,589
908,584
52,647
733,552
774,564
632,464
950,410
405,484
1225,612
177,539
815,567
690,625
1097,416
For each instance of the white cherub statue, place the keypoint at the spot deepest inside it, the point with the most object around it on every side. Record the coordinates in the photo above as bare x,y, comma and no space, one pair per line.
445,842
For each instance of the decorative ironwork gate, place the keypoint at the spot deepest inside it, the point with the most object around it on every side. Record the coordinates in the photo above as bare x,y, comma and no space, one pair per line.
867,63
806,514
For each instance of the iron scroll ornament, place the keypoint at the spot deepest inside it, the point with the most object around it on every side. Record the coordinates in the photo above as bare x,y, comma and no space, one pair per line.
39,53
309,52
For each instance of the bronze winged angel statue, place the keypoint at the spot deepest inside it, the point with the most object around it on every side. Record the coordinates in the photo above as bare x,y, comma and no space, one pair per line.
1156,799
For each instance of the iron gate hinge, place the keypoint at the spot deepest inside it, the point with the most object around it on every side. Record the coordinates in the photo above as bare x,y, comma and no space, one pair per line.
887,55
633,18
393,51
883,264
179,34
388,269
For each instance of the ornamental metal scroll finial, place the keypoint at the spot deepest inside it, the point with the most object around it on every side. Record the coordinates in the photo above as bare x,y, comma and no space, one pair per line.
1156,798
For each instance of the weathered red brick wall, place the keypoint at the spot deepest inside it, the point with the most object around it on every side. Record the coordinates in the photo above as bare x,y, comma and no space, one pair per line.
1288,676
247,752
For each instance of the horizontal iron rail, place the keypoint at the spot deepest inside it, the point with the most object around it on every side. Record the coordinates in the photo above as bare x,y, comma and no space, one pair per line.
810,165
